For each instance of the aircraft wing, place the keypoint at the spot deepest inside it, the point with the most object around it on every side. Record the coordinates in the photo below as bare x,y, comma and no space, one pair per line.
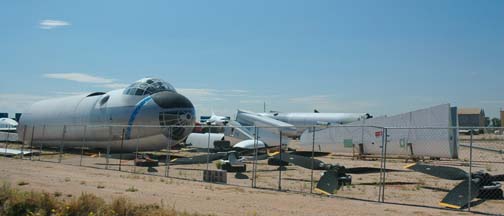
12,152
240,133
268,129
265,123
8,129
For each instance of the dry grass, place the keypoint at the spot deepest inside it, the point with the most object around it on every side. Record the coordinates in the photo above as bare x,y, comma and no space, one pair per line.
16,202
131,189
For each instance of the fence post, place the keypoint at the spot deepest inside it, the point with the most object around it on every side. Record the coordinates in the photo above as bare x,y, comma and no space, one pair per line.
108,148
136,148
121,152
31,141
281,164
83,143
7,142
312,159
470,170
254,164
61,144
24,139
42,143
168,151
361,141
382,166
385,165
107,156
208,146
381,171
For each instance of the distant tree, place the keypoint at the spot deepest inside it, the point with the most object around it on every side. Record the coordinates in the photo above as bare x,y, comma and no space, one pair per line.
496,122
487,121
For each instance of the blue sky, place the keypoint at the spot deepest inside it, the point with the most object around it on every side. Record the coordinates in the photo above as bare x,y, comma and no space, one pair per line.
381,57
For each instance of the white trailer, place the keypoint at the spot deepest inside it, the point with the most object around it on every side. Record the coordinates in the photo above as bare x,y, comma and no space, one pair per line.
426,132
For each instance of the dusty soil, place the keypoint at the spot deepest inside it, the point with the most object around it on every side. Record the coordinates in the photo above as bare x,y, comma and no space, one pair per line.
406,192
189,196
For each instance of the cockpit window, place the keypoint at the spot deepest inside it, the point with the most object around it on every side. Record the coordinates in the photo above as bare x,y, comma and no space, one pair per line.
148,86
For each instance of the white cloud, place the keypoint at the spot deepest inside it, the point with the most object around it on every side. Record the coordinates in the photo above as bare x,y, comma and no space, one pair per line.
78,77
315,99
326,103
252,101
197,92
86,78
115,85
492,102
50,24
239,91
69,93
15,102
212,92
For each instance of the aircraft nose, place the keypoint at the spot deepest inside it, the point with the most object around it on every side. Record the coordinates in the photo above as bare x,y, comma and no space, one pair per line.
168,100
177,114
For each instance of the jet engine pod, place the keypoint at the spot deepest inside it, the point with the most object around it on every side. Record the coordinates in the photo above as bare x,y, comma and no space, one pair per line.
249,144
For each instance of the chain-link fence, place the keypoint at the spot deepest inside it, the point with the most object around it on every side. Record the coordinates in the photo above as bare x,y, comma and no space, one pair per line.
456,168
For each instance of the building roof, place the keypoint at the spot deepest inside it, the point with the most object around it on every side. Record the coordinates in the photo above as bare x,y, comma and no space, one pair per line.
469,111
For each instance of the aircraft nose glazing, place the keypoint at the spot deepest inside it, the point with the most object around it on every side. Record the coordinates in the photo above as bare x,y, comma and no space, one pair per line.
177,115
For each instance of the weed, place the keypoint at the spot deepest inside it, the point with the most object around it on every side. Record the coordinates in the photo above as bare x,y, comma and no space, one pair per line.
305,187
218,164
131,189
42,203
100,186
489,168
421,181
209,187
417,187
252,213
67,179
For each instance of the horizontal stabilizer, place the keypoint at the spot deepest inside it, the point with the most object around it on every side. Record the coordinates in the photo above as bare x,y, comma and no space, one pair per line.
444,172
458,196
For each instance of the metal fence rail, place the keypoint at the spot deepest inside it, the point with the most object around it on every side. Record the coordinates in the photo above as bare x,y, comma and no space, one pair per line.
385,164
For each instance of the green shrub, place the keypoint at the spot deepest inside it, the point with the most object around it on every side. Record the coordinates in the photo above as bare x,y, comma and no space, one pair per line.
218,164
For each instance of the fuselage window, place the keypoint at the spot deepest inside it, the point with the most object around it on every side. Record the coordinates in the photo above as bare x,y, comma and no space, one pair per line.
104,100
139,92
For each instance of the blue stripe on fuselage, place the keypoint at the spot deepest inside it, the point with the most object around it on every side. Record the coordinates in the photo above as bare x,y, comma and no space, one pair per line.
135,112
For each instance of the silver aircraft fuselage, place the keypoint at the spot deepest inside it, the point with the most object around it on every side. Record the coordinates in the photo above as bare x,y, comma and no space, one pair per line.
148,115
302,121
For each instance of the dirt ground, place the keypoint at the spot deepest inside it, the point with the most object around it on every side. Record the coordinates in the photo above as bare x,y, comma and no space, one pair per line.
406,192
189,196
